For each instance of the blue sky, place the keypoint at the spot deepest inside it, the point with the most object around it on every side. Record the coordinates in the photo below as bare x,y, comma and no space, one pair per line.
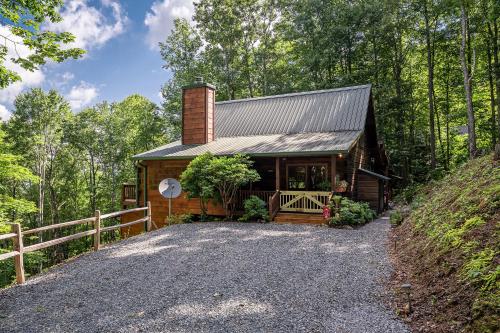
121,38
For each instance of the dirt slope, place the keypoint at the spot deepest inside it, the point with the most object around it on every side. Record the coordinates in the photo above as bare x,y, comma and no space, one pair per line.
448,248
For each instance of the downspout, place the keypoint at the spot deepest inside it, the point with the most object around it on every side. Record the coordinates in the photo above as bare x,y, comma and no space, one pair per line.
145,187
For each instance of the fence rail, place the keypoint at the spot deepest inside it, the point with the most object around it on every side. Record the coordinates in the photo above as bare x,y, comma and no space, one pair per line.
17,235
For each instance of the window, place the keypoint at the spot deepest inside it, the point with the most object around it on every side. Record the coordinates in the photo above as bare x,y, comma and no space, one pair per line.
310,177
297,177
318,178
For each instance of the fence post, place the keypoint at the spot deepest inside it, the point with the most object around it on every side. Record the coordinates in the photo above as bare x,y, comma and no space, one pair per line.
19,259
97,227
148,222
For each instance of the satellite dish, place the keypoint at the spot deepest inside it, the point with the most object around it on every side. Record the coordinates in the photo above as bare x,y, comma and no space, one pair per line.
170,188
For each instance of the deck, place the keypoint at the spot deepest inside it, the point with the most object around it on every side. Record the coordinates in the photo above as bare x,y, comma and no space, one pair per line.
284,206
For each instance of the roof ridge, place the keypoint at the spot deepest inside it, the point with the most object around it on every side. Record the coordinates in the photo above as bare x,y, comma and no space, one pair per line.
303,93
291,133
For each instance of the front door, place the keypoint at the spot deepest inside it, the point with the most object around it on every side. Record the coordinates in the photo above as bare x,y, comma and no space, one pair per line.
308,188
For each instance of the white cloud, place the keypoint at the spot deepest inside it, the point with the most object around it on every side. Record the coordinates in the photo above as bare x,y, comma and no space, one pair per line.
29,79
67,76
81,95
4,113
160,19
90,25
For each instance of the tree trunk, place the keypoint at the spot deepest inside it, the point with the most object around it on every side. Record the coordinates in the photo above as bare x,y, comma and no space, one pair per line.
467,85
430,86
491,86
496,62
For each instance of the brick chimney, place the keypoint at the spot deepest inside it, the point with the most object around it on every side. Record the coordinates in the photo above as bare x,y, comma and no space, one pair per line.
198,104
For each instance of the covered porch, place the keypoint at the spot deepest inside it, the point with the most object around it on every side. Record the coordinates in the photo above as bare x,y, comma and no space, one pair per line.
292,186
297,185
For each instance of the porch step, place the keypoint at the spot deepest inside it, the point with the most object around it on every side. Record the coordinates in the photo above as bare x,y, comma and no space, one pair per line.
299,218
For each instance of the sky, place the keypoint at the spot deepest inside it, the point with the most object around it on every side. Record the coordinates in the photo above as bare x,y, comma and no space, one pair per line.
121,39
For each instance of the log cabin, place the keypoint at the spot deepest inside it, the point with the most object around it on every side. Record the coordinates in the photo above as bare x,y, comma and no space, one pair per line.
304,145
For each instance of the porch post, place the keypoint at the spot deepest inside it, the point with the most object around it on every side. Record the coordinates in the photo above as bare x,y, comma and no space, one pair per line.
277,173
334,171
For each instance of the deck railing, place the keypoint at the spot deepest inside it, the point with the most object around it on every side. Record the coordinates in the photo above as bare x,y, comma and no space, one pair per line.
17,235
303,201
128,192
245,194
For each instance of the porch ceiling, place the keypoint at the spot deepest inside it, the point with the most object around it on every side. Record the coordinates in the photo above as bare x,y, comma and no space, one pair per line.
260,145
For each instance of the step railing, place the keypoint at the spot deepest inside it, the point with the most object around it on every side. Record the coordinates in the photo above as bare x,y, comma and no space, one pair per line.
304,201
17,235
274,205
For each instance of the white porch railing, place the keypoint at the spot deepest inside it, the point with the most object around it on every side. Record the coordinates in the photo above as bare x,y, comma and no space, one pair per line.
303,201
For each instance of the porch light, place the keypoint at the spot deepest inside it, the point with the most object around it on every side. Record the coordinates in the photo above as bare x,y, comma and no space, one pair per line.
340,155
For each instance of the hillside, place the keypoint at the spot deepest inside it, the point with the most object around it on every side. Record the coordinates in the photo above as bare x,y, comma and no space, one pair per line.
448,249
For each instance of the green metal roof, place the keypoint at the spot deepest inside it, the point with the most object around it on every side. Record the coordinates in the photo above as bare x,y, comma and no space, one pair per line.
260,145
315,122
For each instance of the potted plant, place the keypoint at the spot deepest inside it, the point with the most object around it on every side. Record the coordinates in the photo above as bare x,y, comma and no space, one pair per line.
341,186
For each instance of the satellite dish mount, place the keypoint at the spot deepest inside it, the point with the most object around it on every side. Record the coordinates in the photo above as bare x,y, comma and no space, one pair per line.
170,188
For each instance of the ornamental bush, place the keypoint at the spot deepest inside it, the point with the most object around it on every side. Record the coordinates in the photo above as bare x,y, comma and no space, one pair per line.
351,213
255,209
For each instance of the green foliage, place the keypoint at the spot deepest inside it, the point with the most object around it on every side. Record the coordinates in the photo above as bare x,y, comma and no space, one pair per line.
25,43
70,164
459,216
255,209
12,174
196,181
208,177
351,213
396,218
179,219
228,174
481,269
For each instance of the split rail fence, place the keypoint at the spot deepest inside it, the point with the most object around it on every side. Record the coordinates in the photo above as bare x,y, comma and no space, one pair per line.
17,235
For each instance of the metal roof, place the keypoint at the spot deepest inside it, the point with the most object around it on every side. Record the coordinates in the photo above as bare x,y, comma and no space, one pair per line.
260,145
316,122
342,109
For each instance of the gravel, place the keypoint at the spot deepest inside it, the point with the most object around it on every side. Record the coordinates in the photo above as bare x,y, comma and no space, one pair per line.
215,277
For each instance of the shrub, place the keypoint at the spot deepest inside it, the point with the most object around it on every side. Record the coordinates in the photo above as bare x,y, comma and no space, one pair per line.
255,209
351,213
179,219
396,218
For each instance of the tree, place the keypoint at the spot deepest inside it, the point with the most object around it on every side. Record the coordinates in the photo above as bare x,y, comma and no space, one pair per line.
36,130
227,174
20,29
12,176
471,126
196,182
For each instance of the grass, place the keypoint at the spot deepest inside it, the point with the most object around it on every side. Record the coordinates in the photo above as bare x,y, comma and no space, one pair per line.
456,235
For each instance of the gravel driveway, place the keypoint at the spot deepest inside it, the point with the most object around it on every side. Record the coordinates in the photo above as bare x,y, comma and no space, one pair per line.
215,277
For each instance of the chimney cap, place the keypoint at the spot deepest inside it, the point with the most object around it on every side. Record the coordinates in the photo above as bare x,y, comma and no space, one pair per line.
198,79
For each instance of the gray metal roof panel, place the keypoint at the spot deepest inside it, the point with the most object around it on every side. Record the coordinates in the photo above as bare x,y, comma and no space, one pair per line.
332,110
260,145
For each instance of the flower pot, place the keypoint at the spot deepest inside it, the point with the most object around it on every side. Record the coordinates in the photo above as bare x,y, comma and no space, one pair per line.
340,189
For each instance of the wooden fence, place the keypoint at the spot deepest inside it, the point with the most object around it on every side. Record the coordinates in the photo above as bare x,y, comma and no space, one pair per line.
17,235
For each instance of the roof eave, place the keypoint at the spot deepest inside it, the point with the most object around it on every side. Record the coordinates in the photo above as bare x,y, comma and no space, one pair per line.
273,154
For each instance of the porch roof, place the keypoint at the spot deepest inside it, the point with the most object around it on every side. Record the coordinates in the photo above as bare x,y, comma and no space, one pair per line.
260,145
374,174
